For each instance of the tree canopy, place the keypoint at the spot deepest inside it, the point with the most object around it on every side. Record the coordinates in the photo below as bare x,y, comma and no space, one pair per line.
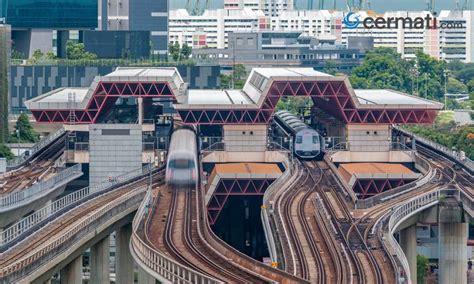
25,131
77,51
5,152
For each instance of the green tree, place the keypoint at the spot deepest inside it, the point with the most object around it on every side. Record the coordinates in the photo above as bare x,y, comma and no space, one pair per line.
383,68
240,72
455,86
186,51
37,55
421,267
174,50
50,55
26,132
77,51
18,55
330,67
470,86
5,152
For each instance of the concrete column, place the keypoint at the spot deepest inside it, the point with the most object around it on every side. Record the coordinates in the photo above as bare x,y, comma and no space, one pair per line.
72,273
452,253
123,257
100,255
140,110
144,277
408,245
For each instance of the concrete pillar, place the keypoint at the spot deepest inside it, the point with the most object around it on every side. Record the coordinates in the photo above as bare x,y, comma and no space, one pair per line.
408,245
140,110
144,277
453,253
123,257
72,273
100,270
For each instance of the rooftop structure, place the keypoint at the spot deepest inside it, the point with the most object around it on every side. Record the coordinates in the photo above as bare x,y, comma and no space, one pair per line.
368,179
254,104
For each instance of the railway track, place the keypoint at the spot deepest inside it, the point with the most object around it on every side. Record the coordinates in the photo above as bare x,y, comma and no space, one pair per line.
342,219
315,251
26,176
68,219
181,241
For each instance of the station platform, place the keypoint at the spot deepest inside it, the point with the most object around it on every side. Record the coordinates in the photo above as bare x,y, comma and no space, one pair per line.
237,179
369,179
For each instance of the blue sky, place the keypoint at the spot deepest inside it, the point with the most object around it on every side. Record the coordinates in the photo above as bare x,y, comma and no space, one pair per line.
378,5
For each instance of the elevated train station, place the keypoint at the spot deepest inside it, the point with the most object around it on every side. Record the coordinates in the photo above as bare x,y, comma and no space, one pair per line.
238,120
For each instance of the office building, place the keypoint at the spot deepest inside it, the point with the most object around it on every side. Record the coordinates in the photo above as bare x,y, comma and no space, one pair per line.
33,21
285,49
137,15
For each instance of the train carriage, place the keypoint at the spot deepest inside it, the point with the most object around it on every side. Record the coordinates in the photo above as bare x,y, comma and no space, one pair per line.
307,143
182,162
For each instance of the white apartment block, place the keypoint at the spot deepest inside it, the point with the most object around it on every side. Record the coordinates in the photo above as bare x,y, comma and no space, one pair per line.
274,8
211,29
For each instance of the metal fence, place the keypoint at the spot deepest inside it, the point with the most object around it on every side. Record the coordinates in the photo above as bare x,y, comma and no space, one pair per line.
18,161
40,189
18,229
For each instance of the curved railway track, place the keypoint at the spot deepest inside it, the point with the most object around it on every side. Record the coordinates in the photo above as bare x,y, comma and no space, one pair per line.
26,176
58,225
181,241
342,219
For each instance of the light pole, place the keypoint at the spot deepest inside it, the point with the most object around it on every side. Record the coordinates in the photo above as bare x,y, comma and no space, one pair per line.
18,141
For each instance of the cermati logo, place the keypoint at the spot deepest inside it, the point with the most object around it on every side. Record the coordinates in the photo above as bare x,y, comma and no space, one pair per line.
351,24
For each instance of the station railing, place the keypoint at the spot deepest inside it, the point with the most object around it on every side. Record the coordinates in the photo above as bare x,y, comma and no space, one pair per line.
17,231
78,234
396,217
20,160
40,189
158,265
267,208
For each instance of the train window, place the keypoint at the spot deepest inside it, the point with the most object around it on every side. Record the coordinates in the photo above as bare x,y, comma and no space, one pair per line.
299,139
243,132
315,139
181,164
251,132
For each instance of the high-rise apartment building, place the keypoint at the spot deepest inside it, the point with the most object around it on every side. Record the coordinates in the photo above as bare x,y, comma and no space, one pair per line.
274,8
137,15
211,29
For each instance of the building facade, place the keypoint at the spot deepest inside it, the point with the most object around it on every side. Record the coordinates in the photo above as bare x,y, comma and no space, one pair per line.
44,14
211,30
33,21
5,52
285,49
137,15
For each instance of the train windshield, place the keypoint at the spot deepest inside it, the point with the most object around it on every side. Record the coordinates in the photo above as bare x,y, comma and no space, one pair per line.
299,139
181,164
315,139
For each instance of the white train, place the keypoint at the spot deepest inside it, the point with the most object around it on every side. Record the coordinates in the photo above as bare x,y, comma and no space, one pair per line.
182,164
307,143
